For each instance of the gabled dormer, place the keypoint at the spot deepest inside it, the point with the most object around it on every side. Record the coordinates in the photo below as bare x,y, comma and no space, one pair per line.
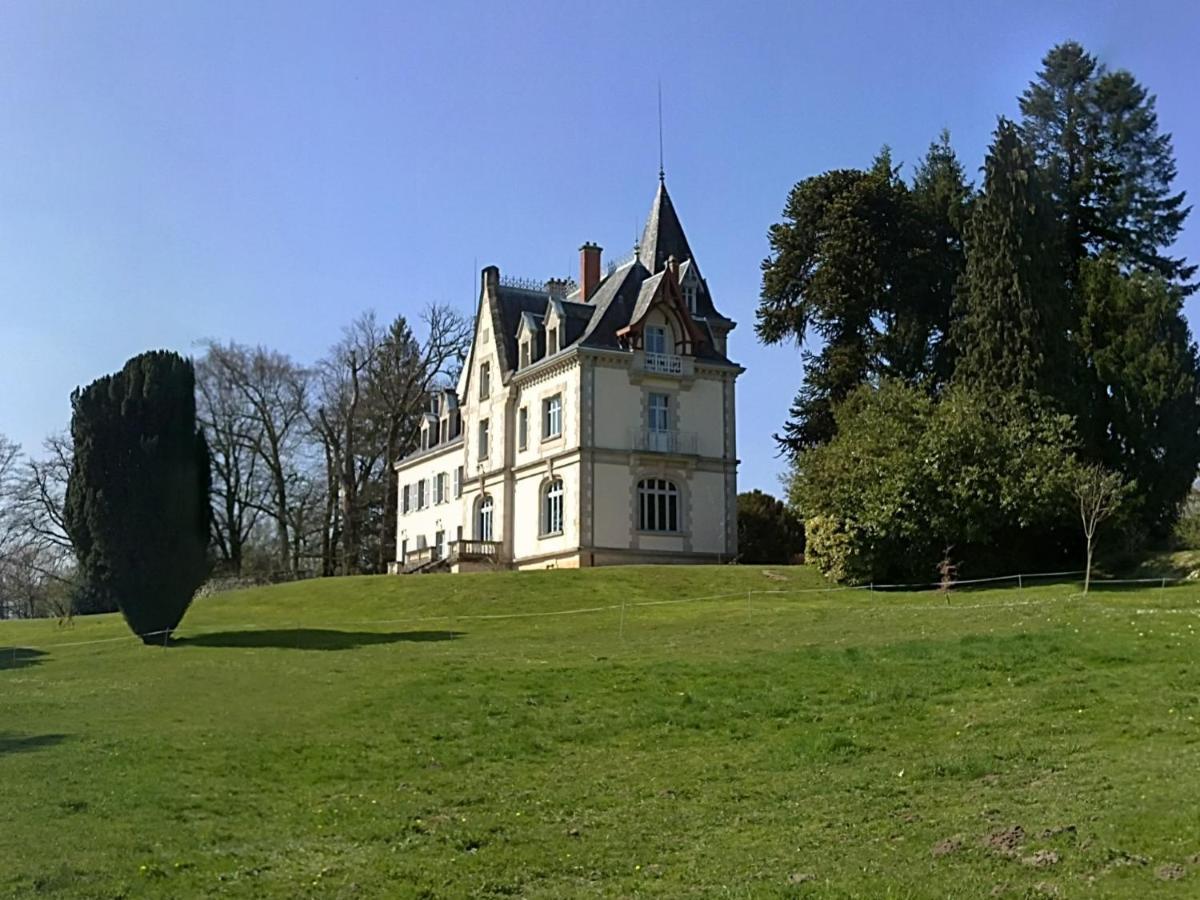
661,323
555,327
449,417
529,340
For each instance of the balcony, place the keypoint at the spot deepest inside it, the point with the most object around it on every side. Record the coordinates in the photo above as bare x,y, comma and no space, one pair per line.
645,440
424,559
475,551
669,364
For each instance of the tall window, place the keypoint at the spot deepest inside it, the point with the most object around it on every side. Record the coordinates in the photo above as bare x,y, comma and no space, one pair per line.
689,296
485,380
658,505
552,507
406,498
552,416
551,341
458,482
658,412
522,427
656,339
524,354
483,519
439,488
483,439
421,494
658,423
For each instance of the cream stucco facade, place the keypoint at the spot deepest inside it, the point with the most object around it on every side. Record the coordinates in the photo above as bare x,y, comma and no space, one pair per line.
592,425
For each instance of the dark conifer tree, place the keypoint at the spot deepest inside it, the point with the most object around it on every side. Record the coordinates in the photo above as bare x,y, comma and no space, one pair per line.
833,272
941,197
138,497
1146,402
1107,167
1011,332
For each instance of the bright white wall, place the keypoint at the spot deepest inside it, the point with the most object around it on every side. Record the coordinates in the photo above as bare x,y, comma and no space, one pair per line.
527,499
701,411
427,522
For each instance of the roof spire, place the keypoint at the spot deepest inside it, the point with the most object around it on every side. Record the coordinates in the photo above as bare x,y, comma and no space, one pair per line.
661,174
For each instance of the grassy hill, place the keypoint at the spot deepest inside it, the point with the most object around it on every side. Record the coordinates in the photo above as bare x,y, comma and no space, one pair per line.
604,733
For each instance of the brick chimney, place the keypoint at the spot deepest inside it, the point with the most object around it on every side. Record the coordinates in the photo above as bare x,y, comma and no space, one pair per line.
589,270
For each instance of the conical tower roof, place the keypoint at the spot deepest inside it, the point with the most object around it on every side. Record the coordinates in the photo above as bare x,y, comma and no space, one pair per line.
663,235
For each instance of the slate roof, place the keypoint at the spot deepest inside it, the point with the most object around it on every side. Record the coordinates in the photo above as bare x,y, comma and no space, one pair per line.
623,296
663,235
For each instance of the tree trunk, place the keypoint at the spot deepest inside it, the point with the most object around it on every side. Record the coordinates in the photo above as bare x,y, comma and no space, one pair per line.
329,526
350,512
1087,574
387,525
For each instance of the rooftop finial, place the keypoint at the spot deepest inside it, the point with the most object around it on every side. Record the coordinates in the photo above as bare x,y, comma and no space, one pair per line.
661,174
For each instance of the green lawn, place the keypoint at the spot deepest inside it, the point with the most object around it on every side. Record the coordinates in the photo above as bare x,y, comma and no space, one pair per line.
429,736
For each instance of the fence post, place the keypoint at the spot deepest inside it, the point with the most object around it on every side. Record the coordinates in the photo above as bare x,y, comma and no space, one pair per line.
1020,583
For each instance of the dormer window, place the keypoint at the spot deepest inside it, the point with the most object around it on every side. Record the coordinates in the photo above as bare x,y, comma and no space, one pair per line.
551,341
524,354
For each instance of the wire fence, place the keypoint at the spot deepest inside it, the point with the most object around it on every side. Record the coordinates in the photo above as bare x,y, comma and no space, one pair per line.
624,607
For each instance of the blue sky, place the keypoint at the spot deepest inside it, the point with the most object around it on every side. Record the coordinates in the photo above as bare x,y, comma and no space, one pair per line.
265,172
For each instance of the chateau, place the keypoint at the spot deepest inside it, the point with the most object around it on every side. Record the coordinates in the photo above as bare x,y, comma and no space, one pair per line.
593,422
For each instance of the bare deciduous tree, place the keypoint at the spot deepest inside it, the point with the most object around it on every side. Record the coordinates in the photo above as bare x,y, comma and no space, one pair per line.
36,559
1099,492
234,432
274,391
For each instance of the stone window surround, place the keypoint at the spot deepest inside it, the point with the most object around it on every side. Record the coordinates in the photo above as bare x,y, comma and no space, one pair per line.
682,481
544,402
670,482
543,488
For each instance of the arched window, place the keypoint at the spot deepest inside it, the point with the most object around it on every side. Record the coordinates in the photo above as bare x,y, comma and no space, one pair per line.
483,518
552,507
658,505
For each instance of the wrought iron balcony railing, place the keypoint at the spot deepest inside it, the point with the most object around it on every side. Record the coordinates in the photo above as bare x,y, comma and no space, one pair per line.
648,440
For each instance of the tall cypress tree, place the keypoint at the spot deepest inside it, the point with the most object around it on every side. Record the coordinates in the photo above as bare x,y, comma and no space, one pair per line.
137,505
1011,329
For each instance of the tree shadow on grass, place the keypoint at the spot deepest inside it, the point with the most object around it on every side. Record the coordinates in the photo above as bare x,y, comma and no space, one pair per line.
12,743
19,657
311,638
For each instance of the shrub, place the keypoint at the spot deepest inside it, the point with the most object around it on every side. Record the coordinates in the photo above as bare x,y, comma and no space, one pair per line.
908,475
768,532
836,551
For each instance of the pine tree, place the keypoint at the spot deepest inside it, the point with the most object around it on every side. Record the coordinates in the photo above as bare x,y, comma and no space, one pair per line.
137,505
1107,167
1011,330
941,198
